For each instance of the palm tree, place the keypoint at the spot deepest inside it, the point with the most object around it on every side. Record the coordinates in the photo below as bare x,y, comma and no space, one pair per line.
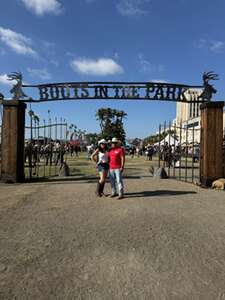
31,113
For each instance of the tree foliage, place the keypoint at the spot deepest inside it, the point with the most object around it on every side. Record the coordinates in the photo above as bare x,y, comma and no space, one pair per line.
92,138
111,123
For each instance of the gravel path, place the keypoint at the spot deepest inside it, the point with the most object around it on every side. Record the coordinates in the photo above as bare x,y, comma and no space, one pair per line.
166,240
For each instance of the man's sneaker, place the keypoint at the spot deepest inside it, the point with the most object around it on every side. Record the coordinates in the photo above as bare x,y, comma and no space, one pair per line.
120,197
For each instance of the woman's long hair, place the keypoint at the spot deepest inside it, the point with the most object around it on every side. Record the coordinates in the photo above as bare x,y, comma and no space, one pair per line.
102,150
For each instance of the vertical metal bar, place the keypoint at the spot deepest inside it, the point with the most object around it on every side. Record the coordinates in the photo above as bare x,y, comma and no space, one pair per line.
48,129
38,149
186,152
180,151
44,147
169,150
25,147
66,141
35,149
56,137
62,146
56,128
164,139
159,150
193,154
61,128
50,140
35,129
174,150
50,120
30,145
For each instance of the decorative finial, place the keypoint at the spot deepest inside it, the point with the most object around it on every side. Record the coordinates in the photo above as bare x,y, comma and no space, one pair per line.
16,90
209,89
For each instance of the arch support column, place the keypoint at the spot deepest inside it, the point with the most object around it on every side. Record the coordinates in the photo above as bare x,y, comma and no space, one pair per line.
211,150
13,129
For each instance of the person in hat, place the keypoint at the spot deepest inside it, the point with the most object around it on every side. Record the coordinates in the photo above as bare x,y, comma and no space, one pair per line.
101,158
116,168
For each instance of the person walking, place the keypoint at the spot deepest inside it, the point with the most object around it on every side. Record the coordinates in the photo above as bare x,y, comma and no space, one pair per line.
71,149
116,168
100,156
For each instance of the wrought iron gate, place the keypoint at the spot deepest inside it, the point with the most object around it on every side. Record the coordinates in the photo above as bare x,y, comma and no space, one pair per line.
1,118
46,147
224,152
1,148
178,150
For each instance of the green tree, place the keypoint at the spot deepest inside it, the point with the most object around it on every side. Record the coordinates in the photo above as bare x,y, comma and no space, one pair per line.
111,123
91,138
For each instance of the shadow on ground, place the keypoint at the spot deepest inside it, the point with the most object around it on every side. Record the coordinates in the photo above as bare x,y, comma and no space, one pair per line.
80,178
158,193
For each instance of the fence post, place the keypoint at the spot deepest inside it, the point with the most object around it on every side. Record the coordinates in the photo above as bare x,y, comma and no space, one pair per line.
211,150
13,141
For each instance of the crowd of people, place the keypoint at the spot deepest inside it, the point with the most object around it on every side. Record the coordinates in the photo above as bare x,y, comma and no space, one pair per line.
109,157
170,154
51,152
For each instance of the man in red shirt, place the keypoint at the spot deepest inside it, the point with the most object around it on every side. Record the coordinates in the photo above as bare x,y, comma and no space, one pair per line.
116,168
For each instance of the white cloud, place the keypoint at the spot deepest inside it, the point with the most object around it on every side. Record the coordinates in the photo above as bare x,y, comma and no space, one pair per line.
4,80
48,44
41,7
101,66
214,46
131,7
68,53
16,41
201,43
116,55
217,46
54,62
145,65
39,73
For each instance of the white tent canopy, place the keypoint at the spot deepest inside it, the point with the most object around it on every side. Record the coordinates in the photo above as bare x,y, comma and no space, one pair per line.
168,139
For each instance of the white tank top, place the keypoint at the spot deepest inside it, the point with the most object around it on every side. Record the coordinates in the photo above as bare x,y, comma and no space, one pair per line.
103,157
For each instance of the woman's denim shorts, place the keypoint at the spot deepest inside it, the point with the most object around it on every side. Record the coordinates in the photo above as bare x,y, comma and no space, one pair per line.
103,167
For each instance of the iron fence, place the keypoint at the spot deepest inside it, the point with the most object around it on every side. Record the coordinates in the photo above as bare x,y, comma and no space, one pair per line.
46,148
1,117
224,154
178,150
1,150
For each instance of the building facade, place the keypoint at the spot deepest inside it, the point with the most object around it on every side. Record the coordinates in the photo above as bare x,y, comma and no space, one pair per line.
188,119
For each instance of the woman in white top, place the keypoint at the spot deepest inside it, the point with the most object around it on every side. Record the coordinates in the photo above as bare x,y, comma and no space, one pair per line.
100,156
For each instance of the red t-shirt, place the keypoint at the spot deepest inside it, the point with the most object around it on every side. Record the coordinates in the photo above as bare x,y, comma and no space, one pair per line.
115,157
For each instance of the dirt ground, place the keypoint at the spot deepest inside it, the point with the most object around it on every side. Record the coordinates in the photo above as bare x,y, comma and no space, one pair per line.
165,240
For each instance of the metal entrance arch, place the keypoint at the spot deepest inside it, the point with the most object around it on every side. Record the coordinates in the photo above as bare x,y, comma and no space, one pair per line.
116,91
14,114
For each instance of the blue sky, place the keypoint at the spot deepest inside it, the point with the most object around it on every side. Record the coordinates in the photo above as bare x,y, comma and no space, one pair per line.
106,40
